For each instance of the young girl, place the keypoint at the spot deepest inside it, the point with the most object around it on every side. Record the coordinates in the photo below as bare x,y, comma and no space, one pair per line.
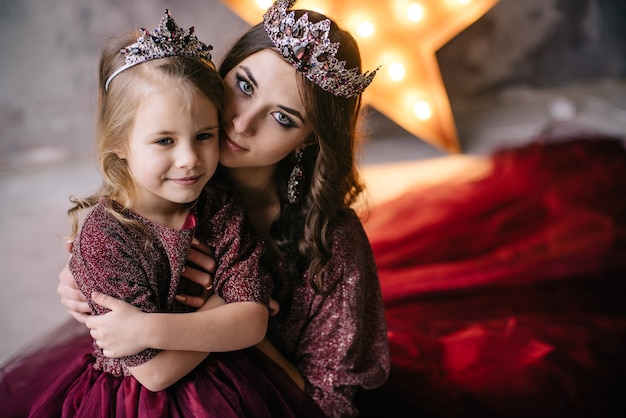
157,138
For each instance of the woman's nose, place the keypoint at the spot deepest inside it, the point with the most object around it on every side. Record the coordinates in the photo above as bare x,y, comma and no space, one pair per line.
243,121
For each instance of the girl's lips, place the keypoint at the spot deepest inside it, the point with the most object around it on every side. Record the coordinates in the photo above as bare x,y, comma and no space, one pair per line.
187,181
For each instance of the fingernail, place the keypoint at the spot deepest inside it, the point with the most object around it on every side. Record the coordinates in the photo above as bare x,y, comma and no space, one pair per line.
180,298
194,240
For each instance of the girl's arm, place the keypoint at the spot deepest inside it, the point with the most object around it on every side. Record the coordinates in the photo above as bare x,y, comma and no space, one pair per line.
127,330
167,367
112,333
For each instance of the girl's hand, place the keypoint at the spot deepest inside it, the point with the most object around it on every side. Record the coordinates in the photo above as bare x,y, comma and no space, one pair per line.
199,269
117,332
71,297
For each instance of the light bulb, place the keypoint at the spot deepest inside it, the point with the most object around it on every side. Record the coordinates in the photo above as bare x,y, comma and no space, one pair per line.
396,71
422,110
415,12
365,29
264,4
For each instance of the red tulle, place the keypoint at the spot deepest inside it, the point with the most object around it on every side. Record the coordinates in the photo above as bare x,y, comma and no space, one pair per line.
505,296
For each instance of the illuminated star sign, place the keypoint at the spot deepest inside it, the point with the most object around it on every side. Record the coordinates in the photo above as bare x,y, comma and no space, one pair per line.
401,36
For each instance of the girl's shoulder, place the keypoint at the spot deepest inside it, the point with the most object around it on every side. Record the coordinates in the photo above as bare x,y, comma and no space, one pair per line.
99,216
107,221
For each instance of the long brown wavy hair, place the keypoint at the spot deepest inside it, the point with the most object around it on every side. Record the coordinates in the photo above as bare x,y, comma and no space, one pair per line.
332,183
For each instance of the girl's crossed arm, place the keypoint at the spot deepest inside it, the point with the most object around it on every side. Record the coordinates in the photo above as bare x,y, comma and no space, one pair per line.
126,330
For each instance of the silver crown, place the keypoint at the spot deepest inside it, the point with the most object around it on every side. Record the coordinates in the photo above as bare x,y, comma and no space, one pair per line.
307,47
167,40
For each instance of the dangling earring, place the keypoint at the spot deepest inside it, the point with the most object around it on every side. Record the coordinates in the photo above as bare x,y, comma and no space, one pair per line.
294,186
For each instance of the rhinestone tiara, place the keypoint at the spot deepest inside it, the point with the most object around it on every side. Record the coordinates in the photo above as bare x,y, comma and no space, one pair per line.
167,40
307,47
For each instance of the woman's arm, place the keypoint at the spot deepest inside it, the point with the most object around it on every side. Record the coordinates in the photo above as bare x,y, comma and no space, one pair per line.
71,297
343,344
272,352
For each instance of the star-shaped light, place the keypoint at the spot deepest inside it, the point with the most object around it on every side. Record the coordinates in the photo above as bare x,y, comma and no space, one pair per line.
403,37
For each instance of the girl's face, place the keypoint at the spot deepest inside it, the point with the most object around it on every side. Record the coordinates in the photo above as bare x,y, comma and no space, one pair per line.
172,149
264,118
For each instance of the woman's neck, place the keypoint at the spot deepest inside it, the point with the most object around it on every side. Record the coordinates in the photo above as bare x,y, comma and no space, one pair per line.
259,195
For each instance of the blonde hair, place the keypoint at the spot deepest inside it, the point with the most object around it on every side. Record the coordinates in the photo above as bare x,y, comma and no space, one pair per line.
117,107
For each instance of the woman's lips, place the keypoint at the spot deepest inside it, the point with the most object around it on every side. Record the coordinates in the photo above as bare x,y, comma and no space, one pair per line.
232,145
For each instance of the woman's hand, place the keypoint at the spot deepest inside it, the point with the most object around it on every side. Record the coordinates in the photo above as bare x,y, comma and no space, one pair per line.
199,269
71,297
117,333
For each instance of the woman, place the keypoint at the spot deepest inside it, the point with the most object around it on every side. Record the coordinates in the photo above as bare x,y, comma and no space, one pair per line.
288,148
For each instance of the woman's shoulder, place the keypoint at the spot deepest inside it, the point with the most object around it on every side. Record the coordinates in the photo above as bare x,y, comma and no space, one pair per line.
350,251
347,229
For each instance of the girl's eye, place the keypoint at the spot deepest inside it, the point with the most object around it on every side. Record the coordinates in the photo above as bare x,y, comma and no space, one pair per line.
244,85
283,119
164,141
205,136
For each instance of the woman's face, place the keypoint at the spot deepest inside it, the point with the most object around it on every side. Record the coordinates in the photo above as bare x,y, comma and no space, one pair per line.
264,118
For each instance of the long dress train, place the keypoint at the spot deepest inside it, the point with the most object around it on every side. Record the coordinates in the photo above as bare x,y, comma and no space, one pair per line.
504,296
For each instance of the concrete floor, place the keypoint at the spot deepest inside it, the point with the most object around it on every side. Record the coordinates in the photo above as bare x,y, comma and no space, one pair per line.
45,107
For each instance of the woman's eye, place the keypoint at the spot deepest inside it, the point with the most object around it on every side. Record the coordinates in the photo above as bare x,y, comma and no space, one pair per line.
164,141
244,85
283,119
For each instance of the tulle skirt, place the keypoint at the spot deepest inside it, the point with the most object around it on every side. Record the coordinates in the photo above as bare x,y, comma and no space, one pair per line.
59,381
505,296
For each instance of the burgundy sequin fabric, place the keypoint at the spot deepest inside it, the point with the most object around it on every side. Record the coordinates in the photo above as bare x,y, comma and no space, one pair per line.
142,265
336,338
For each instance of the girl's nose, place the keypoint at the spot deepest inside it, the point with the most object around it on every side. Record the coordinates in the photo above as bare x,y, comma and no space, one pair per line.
186,156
